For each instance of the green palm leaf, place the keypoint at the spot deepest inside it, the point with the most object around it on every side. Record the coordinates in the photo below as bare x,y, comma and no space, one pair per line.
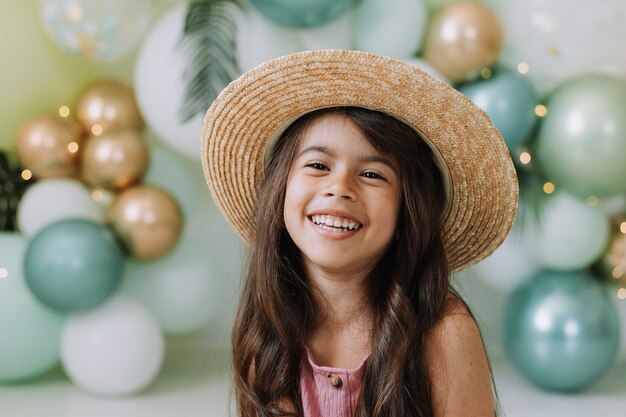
209,43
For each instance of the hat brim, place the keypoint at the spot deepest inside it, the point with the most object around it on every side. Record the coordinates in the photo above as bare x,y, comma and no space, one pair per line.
252,110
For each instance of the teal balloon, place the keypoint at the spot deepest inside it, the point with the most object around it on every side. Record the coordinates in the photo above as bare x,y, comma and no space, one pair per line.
561,330
302,13
581,144
74,265
509,100
29,331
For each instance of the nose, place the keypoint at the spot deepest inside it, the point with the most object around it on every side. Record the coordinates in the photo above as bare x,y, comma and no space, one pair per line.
340,185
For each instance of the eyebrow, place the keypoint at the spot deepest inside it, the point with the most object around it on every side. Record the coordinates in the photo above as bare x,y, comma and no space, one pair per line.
367,158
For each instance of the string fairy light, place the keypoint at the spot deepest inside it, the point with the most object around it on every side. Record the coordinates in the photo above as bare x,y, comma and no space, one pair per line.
64,112
522,68
4,273
541,110
525,158
548,187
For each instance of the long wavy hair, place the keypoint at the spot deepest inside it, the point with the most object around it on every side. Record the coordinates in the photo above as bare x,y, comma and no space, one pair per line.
405,291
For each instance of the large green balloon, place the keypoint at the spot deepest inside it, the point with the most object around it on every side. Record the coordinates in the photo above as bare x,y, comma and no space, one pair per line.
581,144
561,330
74,265
509,100
302,13
29,331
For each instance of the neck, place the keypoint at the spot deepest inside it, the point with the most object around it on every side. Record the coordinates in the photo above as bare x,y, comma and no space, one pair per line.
340,298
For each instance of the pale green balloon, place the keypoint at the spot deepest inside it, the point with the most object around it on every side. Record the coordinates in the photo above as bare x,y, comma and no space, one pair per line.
581,145
183,289
29,331
36,77
389,27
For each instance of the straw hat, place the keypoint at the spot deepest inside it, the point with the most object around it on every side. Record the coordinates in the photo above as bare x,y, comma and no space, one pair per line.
252,112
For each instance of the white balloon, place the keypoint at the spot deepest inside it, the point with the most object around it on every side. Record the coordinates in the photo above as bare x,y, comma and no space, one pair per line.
569,235
559,39
509,265
389,27
183,289
114,349
160,85
171,172
97,30
259,40
51,200
333,35
426,67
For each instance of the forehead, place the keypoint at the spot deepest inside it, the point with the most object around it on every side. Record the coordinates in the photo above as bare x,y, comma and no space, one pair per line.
336,130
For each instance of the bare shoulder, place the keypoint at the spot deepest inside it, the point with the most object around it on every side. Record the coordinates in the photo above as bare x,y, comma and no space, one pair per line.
459,371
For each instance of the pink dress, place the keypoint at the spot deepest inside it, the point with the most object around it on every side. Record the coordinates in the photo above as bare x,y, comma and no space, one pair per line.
329,392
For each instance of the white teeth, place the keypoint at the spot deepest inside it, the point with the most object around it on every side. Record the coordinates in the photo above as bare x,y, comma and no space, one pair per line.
335,223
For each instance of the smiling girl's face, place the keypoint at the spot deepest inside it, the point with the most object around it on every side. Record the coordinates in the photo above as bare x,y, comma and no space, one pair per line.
342,199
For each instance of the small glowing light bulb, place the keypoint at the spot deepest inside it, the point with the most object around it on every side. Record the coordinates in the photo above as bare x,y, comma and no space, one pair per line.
541,110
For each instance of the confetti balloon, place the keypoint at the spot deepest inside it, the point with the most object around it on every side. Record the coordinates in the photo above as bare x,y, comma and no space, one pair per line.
462,39
509,100
96,30
108,104
48,147
147,219
115,349
561,330
115,159
73,265
29,331
581,143
389,27
562,39
302,13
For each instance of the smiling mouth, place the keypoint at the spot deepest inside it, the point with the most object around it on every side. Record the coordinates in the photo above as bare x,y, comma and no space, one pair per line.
335,223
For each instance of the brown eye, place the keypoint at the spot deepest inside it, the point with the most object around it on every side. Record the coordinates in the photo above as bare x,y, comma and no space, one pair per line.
372,175
318,166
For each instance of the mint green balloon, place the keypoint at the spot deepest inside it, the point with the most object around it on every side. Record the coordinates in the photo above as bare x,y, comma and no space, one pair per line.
509,100
74,265
561,330
581,145
302,13
29,331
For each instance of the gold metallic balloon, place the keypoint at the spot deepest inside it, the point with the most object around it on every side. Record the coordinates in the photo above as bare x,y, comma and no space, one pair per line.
115,159
147,219
106,105
49,147
613,262
462,39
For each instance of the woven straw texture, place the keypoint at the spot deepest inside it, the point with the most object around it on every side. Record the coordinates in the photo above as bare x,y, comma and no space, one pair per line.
249,111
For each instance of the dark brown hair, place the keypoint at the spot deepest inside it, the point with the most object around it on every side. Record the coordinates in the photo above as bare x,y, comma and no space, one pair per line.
406,290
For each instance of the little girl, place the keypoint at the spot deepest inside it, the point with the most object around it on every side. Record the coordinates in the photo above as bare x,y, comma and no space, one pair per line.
360,183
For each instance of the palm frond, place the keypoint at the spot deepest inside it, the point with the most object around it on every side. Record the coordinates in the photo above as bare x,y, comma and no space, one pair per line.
210,45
